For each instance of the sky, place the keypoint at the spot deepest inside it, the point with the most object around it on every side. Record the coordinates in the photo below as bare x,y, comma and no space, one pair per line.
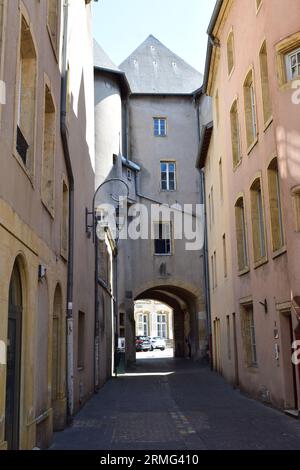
120,26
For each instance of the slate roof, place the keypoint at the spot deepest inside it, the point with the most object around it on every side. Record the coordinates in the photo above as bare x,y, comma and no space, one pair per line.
102,62
153,69
101,59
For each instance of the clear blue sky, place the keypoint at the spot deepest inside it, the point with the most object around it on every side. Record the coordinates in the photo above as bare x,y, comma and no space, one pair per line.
122,25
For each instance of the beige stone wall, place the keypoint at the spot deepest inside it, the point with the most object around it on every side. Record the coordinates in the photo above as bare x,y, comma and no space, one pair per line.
33,233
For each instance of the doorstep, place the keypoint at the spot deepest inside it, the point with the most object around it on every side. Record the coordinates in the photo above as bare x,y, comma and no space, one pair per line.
293,413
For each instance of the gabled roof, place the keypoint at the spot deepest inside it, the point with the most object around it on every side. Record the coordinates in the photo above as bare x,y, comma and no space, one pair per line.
153,69
102,62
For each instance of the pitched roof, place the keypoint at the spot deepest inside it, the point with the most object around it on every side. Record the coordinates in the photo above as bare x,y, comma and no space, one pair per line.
153,69
102,60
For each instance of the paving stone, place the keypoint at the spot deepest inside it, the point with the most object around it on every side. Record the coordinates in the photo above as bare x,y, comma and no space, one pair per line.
189,408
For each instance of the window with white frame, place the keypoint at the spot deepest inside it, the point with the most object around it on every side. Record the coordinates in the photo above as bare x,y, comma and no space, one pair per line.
143,324
160,127
168,176
162,238
293,64
162,326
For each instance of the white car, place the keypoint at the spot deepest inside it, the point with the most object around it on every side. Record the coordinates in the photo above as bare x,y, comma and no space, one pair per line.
157,343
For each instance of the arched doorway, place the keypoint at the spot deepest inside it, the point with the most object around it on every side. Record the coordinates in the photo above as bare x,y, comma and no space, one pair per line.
14,345
56,356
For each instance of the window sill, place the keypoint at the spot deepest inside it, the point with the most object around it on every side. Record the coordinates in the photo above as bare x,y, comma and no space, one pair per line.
268,123
48,209
244,271
261,262
238,164
80,369
231,73
168,190
251,146
163,254
54,47
281,251
160,136
64,255
24,168
259,8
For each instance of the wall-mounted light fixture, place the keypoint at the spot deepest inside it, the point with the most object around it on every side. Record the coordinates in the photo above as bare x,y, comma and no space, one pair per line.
265,305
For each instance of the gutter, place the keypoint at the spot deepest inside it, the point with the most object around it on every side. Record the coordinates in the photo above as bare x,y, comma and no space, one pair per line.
211,42
66,150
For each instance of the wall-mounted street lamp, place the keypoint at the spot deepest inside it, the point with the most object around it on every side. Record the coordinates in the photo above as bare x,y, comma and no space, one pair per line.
265,305
117,189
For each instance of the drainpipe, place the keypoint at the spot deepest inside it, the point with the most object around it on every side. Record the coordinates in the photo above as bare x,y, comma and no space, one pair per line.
206,269
205,250
66,150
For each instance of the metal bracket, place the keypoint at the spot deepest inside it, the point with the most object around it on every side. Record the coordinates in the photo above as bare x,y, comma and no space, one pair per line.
265,305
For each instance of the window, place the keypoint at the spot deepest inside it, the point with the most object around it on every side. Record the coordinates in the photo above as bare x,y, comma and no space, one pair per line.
235,134
212,206
52,21
296,200
230,52
293,64
65,220
47,188
266,97
258,223
143,324
224,255
228,338
288,59
241,237
209,210
250,110
81,340
248,335
160,127
215,268
26,97
217,107
221,179
168,176
275,206
162,326
212,267
162,238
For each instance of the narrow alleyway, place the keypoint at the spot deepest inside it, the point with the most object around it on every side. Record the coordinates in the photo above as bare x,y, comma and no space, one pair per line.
167,404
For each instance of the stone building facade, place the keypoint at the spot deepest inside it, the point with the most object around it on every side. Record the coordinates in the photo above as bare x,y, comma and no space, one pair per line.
47,154
250,160
148,106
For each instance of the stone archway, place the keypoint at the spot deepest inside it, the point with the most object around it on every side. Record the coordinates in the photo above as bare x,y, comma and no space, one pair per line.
189,318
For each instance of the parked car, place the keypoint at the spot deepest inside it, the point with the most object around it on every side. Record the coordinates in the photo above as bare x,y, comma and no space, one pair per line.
142,343
157,343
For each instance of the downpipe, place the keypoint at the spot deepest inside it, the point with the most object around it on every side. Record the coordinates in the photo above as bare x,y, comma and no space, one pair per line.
66,150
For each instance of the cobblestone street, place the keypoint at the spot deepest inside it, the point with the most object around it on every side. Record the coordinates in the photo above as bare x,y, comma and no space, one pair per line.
166,404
